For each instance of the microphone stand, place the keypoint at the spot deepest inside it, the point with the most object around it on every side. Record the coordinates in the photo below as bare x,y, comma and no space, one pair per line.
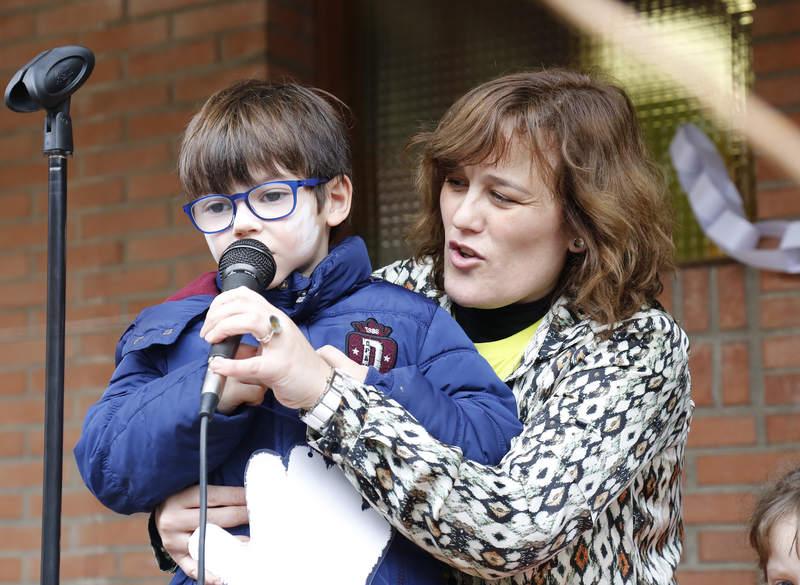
47,82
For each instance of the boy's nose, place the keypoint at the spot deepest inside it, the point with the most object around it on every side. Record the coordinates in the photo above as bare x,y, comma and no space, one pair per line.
245,222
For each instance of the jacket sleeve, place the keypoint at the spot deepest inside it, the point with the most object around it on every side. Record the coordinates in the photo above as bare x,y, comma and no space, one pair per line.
140,441
454,393
609,416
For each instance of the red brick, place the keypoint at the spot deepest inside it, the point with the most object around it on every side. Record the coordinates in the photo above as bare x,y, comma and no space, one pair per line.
782,389
776,19
117,222
743,467
127,36
19,475
16,26
113,532
167,246
735,374
22,294
781,351
73,17
15,205
780,312
138,564
155,185
93,316
717,507
696,301
779,91
185,272
23,174
21,146
141,7
245,43
732,298
200,86
725,546
778,203
127,281
127,159
102,133
71,434
170,60
80,565
12,444
96,193
11,505
151,124
21,410
107,69
722,431
15,267
776,55
701,370
783,428
775,281
10,569
91,375
665,298
712,576
211,19
100,344
14,383
125,99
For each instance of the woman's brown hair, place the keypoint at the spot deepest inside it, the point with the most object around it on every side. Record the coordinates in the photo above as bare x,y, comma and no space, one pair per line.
780,501
611,192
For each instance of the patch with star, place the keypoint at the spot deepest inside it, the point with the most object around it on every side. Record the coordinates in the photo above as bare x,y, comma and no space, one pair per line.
370,345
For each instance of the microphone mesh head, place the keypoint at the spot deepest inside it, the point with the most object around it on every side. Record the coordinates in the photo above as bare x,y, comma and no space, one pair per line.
250,253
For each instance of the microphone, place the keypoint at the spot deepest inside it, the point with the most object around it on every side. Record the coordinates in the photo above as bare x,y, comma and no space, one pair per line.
247,263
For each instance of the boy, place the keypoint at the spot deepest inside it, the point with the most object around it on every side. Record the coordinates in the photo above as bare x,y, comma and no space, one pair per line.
282,150
774,531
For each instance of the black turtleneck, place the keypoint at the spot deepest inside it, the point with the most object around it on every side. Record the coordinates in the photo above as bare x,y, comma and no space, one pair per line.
484,325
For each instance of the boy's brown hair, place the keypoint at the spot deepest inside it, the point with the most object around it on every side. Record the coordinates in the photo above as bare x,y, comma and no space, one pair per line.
254,127
780,501
611,192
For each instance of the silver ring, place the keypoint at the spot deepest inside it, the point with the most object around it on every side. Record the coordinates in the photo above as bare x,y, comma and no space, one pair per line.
274,329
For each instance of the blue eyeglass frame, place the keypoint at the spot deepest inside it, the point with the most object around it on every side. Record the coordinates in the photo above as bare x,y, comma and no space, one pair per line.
294,184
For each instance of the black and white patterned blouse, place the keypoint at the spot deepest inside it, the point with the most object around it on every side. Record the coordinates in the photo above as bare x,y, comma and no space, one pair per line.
590,491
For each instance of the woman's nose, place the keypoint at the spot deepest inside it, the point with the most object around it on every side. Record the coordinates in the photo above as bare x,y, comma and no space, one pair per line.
245,222
467,215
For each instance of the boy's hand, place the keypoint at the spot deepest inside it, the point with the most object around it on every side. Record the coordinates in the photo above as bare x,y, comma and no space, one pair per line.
236,392
179,515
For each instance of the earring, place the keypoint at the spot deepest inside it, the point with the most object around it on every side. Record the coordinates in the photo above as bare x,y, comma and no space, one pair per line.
578,244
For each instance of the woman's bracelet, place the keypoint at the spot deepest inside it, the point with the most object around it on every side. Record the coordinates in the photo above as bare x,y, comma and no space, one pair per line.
326,406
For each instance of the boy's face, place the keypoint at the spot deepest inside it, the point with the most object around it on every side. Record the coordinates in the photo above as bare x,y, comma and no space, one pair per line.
298,241
783,565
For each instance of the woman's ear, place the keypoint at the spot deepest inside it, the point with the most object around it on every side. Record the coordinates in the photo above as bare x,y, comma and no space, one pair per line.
338,198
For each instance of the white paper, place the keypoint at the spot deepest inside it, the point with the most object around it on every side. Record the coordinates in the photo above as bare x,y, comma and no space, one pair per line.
307,526
717,205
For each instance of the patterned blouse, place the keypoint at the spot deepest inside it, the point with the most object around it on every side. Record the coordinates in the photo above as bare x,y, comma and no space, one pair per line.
590,491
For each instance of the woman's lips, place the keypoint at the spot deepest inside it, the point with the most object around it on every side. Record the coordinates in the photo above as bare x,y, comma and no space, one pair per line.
462,257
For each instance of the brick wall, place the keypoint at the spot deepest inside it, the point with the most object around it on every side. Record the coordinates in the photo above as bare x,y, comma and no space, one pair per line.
130,246
128,242
744,327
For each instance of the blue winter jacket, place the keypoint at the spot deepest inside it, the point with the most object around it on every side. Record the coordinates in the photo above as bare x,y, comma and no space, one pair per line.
140,443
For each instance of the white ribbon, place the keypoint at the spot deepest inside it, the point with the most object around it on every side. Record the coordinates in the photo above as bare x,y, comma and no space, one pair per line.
717,204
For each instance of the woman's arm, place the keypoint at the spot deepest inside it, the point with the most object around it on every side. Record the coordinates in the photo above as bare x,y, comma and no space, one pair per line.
609,415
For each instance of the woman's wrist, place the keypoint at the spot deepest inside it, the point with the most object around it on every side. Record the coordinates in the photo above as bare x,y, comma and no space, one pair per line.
326,405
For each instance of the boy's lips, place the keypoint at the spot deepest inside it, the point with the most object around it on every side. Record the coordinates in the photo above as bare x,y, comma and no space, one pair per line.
462,256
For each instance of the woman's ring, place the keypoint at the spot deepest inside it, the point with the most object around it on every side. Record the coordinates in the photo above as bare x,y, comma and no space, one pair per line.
274,329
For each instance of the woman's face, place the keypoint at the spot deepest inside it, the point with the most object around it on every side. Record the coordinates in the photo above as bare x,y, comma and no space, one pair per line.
505,239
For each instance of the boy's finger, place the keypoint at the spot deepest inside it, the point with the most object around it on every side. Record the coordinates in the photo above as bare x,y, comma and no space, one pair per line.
228,516
223,495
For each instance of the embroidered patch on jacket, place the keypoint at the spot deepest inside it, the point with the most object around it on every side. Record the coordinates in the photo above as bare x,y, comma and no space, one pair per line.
370,345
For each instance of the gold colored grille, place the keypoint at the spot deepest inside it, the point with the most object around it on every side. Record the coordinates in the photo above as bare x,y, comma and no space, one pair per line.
423,54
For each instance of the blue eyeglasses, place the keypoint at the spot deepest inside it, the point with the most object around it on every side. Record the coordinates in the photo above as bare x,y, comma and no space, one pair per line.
269,201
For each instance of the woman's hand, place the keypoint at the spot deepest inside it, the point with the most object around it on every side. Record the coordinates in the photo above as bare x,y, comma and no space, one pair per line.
285,362
179,515
336,359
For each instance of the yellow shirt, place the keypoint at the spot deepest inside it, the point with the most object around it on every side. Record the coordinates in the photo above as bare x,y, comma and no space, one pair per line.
504,355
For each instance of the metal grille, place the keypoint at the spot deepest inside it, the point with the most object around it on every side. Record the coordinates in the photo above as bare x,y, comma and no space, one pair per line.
426,54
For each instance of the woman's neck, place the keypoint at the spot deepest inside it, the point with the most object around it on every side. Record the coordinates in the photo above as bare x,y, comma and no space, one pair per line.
483,325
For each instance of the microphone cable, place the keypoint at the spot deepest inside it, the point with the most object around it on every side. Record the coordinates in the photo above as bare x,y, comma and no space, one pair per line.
248,263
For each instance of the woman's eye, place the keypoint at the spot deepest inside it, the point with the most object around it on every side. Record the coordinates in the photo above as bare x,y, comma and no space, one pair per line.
455,182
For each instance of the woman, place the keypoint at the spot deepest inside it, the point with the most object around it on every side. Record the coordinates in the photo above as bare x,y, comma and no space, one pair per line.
544,230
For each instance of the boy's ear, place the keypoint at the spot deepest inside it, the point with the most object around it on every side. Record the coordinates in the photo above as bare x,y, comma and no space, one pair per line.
338,197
